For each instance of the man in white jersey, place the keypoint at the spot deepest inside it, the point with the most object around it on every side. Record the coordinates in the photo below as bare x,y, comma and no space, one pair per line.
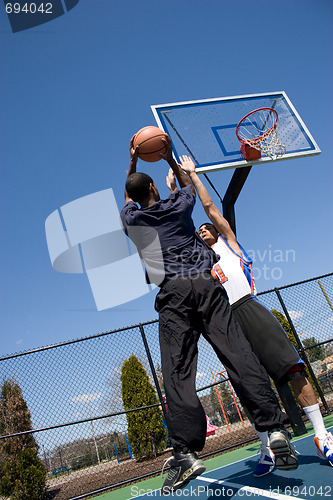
267,337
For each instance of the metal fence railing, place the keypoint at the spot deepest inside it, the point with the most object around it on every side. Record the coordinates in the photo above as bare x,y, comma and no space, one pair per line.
73,392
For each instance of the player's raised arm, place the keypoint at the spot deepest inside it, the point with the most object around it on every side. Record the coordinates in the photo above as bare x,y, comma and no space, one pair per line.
134,157
132,166
181,176
212,212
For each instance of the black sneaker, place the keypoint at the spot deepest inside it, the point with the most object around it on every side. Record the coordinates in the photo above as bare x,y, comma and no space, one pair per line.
183,468
285,455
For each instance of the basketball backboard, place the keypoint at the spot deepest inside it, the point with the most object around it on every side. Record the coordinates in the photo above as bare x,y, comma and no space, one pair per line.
206,129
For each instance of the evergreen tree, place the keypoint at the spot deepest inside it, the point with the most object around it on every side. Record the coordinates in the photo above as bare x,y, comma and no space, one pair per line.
218,417
225,394
225,398
23,474
146,433
228,403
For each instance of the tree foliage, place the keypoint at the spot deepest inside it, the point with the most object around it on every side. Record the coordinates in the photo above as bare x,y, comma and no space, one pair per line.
146,433
23,473
287,328
316,353
227,401
217,418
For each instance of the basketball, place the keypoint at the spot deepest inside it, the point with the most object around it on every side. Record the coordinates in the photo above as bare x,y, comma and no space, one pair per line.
149,141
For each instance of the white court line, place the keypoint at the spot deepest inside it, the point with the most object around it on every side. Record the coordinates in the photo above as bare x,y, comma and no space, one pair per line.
249,489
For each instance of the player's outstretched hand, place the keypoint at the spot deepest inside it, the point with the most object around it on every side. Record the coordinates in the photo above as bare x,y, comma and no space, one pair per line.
171,181
168,155
187,164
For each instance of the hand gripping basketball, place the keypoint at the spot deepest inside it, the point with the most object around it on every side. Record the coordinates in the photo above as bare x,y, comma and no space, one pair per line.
150,143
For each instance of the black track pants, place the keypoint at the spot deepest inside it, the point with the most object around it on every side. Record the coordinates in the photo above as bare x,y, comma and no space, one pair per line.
190,306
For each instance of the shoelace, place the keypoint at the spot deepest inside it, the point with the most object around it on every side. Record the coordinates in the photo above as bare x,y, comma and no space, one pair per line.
165,464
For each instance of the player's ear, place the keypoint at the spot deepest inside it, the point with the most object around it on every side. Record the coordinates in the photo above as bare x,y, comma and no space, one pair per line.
152,187
156,192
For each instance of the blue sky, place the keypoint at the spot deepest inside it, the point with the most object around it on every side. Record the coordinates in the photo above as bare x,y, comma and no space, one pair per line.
73,91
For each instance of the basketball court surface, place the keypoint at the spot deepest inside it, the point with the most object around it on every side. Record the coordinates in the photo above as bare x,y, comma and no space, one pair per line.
230,476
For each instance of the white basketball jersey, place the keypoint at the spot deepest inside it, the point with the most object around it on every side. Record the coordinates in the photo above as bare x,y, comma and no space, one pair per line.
233,271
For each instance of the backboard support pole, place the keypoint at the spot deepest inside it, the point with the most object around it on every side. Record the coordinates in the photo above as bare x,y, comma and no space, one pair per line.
235,186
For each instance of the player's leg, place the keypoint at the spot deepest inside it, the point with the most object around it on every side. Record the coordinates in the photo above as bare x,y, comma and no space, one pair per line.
303,391
281,360
306,396
273,349
266,336
247,376
266,461
186,418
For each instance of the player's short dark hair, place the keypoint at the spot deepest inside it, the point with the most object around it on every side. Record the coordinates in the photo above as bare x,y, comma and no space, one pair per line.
208,224
137,186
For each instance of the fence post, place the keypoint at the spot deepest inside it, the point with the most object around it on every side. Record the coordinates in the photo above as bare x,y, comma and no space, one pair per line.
115,449
302,350
129,447
291,408
152,367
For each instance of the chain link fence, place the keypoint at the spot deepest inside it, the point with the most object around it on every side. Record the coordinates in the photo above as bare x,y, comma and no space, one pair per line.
73,392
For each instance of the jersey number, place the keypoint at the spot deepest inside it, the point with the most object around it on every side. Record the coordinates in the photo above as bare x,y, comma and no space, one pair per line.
218,274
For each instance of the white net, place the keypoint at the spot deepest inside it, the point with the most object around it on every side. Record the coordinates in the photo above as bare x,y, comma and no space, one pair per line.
259,130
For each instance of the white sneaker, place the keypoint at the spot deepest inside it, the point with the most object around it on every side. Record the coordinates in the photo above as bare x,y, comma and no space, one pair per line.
266,463
325,447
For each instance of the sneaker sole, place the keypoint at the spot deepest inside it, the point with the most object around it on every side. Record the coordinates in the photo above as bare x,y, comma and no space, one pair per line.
285,458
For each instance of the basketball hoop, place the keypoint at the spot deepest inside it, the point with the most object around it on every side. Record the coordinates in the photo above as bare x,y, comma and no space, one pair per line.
258,131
